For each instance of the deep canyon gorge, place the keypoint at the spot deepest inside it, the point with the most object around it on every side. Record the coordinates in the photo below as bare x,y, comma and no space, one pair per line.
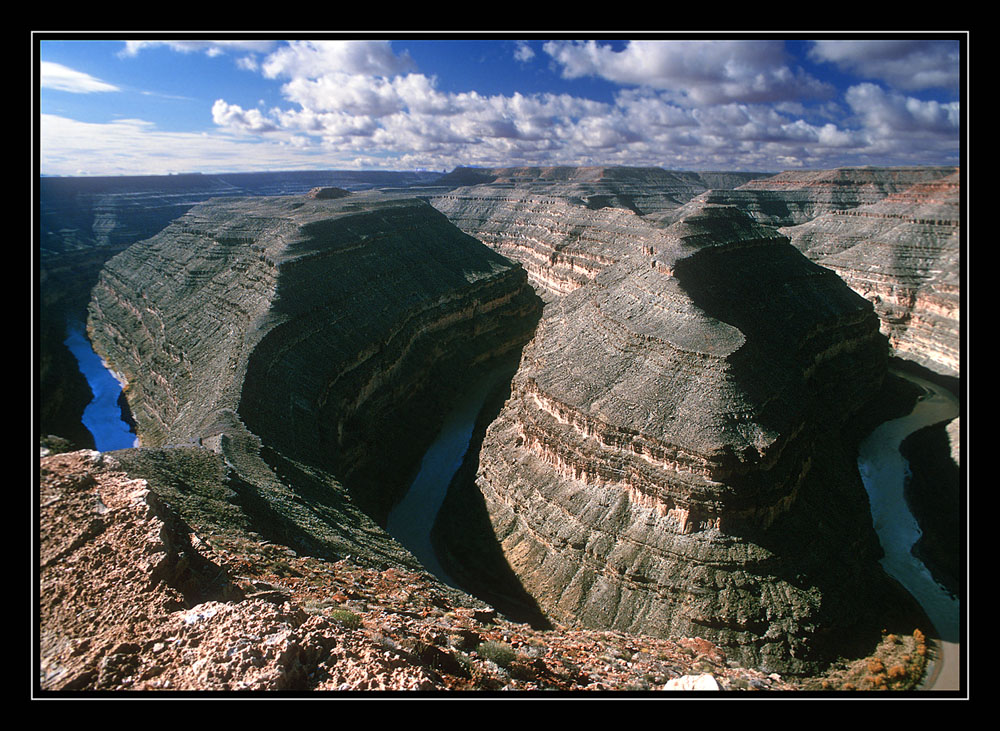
688,363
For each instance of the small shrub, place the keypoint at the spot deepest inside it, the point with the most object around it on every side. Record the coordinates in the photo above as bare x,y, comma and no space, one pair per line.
498,652
897,673
346,617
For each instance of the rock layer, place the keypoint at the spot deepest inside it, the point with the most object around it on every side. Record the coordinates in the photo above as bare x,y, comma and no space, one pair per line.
563,224
314,329
798,196
903,254
672,435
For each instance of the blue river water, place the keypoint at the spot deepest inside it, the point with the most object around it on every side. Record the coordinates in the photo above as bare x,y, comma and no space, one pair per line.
103,416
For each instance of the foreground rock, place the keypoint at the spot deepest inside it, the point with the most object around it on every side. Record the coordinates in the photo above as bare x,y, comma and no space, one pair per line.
134,599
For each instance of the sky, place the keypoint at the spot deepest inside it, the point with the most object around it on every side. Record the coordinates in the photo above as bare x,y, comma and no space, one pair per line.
151,105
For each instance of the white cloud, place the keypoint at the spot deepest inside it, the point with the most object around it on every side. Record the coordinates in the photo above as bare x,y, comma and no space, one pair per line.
234,117
891,114
905,64
57,76
137,147
523,52
210,48
692,105
315,59
694,72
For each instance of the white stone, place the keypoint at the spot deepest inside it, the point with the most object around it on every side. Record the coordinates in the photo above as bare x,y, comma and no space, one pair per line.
692,682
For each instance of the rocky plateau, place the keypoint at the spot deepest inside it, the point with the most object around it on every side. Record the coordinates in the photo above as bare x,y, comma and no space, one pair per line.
664,495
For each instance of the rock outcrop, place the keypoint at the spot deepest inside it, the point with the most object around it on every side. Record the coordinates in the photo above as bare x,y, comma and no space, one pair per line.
672,459
564,224
83,222
133,597
669,460
798,196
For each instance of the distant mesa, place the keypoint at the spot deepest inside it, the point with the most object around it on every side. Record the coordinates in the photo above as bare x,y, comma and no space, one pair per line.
327,193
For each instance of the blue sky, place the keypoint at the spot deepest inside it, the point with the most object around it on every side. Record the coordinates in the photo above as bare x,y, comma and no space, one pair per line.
225,103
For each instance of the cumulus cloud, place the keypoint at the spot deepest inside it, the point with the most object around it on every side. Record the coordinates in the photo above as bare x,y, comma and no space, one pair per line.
909,65
683,104
523,52
316,59
890,114
695,72
57,76
234,117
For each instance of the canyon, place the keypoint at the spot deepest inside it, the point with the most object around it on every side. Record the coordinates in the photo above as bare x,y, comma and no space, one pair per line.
699,355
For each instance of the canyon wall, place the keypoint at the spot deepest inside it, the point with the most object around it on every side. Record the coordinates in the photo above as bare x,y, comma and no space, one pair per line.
306,331
902,253
545,218
671,457
83,222
893,234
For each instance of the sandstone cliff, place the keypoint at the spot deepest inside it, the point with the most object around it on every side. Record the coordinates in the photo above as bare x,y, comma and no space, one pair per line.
547,218
669,459
83,222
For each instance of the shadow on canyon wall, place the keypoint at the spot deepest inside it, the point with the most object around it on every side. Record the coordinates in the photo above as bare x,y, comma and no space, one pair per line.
464,539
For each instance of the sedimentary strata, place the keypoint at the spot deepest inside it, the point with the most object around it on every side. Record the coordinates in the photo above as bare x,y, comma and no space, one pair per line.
83,222
315,329
795,197
903,254
563,224
669,459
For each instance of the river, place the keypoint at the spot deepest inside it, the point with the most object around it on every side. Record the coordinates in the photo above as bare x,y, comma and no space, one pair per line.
103,415
411,520
884,470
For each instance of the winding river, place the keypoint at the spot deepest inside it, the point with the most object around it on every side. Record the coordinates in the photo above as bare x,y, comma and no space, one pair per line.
884,470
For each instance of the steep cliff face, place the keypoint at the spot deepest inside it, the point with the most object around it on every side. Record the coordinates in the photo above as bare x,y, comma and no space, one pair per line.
902,254
83,222
795,197
307,328
669,459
